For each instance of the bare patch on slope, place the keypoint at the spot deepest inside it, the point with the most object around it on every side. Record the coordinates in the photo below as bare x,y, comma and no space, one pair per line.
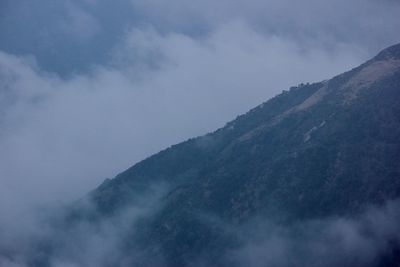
368,75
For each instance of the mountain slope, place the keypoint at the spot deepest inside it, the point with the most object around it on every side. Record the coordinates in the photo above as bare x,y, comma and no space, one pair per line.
316,151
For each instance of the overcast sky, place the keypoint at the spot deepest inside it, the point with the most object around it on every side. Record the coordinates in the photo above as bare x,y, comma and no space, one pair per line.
89,87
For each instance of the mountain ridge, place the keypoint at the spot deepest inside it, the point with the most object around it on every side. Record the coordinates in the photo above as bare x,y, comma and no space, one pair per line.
302,101
319,150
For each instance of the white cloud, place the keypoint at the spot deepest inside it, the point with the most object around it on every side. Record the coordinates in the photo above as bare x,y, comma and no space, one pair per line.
68,134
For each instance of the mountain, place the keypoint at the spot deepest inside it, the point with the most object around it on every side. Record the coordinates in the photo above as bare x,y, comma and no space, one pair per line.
326,152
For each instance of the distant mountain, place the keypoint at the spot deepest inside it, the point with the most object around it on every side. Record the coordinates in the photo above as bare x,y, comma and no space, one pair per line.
317,151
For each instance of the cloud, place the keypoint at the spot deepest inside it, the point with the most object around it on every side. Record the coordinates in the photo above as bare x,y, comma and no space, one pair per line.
80,24
364,239
50,241
60,137
340,21
71,133
367,238
71,36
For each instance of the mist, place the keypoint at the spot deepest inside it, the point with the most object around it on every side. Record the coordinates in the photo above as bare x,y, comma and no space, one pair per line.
361,239
358,240
89,88
70,134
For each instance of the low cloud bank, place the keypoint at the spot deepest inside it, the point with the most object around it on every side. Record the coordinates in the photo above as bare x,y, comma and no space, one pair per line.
366,239
69,236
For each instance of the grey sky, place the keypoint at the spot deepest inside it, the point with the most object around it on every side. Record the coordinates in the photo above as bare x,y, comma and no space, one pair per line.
70,35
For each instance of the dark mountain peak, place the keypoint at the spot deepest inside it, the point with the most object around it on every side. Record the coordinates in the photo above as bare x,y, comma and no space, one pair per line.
392,52
316,151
